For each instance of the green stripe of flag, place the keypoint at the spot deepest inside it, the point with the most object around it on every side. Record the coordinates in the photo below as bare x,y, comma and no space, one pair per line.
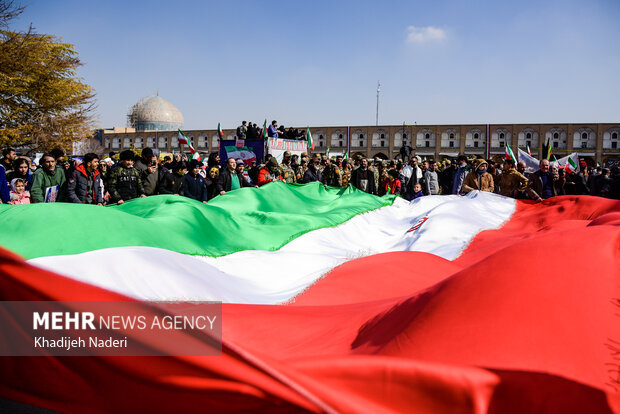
245,219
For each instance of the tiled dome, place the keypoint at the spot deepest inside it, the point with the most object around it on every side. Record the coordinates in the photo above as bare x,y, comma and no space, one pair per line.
156,113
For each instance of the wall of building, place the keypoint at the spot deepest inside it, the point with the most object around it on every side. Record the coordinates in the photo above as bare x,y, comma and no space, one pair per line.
595,142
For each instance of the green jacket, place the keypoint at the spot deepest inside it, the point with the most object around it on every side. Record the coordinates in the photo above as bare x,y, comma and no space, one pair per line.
43,180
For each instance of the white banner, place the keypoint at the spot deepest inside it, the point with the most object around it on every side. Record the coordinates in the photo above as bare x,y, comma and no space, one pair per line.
532,164
277,146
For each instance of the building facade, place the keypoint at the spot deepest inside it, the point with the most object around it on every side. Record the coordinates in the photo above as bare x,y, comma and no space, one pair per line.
596,143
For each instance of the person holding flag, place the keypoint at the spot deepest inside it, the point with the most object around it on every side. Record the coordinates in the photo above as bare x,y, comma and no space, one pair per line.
510,155
272,131
184,140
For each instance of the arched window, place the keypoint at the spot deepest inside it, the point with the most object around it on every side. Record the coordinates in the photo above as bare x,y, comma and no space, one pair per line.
611,139
474,138
557,138
380,138
358,139
215,141
202,141
116,143
337,139
127,142
450,139
500,138
584,138
425,139
528,136
138,141
401,138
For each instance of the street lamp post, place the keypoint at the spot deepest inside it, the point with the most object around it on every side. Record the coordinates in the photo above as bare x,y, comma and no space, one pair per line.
378,90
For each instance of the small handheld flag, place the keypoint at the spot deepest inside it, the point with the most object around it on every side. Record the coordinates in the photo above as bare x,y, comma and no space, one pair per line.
264,134
310,141
183,139
510,154
219,131
527,147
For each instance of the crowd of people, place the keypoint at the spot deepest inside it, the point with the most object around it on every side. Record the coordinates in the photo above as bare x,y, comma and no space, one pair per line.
118,178
249,130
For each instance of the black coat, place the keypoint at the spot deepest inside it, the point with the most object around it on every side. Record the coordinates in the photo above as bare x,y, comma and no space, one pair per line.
356,179
195,187
224,180
77,186
311,176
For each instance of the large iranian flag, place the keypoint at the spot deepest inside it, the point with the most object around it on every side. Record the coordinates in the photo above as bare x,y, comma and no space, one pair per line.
334,301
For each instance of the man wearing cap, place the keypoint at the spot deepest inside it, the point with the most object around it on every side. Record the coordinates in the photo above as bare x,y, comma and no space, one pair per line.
241,170
230,179
331,174
286,171
269,172
301,170
124,182
314,173
194,184
479,178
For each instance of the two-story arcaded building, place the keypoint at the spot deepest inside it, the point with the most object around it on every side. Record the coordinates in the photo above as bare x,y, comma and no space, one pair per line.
593,142
155,122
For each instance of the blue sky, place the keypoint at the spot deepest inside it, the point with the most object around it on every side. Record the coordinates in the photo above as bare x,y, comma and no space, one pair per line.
318,63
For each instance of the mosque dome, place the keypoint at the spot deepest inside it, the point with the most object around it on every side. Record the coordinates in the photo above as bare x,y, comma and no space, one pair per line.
155,113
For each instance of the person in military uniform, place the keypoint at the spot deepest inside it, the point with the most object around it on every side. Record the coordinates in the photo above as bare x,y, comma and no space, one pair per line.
323,163
376,172
301,170
332,174
339,161
286,171
383,177
346,173
124,182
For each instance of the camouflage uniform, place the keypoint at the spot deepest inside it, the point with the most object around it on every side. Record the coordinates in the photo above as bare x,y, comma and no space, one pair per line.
124,183
286,171
375,171
301,170
332,175
346,178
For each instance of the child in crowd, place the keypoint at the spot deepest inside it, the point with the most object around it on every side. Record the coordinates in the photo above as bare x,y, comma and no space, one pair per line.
417,191
392,184
19,195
